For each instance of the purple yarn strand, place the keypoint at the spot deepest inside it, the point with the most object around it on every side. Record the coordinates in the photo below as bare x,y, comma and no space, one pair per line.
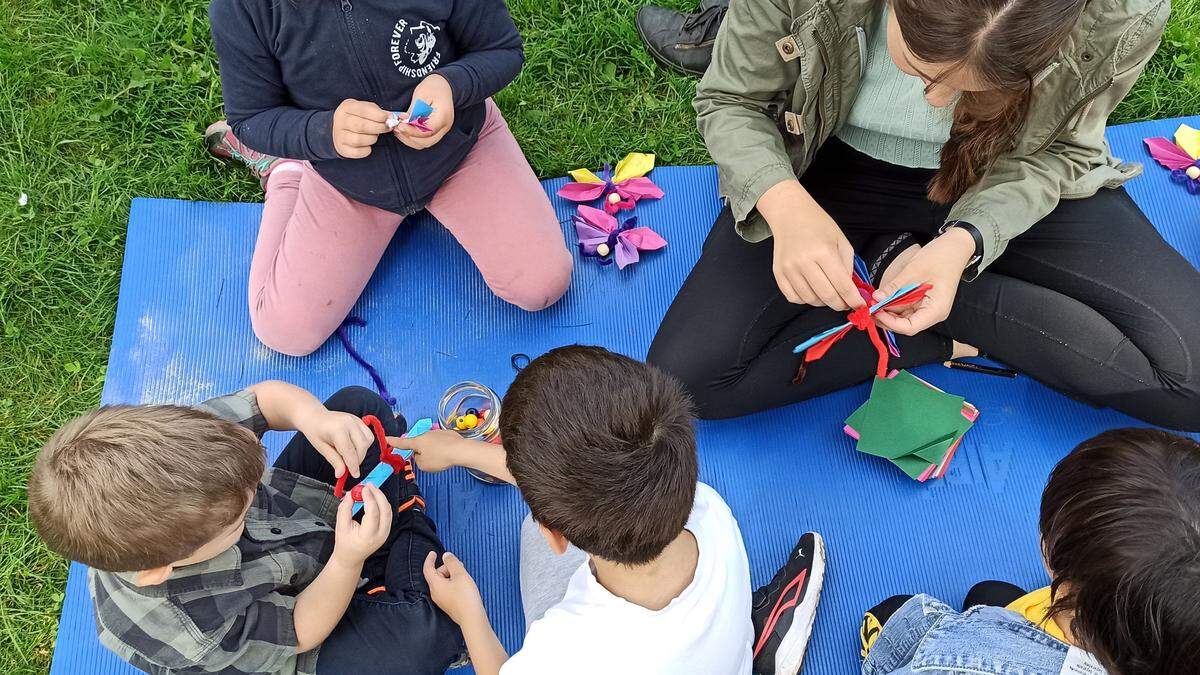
375,376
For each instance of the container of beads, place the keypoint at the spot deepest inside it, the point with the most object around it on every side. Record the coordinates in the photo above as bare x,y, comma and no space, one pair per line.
473,410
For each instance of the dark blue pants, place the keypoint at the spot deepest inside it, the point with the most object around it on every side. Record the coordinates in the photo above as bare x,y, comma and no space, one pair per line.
399,629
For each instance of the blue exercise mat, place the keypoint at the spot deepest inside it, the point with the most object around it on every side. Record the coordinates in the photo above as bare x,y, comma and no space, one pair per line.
183,334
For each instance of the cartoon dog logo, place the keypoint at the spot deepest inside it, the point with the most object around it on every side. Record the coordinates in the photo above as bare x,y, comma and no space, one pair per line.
414,47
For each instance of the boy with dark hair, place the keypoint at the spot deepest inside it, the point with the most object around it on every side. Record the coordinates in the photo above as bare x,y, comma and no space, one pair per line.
1120,532
627,563
204,562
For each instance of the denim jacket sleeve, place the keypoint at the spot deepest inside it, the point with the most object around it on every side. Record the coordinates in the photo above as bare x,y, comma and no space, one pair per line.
256,101
896,646
1021,189
739,99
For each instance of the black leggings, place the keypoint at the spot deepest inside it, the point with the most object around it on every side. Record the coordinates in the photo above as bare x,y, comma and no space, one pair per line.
1091,301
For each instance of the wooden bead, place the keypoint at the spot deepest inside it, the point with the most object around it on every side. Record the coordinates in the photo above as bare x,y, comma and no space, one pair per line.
603,250
1193,172
471,421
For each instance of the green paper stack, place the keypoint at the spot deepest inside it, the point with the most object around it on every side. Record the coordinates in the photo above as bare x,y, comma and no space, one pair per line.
912,424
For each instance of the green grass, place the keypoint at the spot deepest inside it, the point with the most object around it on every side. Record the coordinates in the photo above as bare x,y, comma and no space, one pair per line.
104,101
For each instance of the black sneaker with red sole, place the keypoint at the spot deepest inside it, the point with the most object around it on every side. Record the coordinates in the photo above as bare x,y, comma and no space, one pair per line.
784,610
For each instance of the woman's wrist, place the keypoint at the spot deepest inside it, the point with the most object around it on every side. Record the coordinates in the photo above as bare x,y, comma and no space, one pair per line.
779,200
959,244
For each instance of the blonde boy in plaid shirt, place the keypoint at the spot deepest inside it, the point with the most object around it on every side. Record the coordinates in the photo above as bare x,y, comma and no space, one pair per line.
203,560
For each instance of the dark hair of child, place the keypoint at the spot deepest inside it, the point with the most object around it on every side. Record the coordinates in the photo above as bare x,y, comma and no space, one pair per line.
603,450
1120,525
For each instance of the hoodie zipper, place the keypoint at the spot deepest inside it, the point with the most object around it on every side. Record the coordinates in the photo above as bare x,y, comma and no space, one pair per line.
366,80
1071,115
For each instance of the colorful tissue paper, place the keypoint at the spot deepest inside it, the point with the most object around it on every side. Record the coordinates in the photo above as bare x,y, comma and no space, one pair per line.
863,319
621,189
1182,157
912,424
601,237
418,118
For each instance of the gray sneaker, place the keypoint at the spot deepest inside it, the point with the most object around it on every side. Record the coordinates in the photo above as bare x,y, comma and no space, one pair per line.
680,41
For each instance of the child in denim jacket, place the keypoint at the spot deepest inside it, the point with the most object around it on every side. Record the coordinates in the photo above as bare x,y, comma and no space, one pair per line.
1120,530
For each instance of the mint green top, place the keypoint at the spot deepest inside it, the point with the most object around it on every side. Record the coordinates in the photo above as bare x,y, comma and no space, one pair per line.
891,120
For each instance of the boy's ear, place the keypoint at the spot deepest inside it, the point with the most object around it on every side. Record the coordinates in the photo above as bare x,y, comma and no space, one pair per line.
557,542
155,576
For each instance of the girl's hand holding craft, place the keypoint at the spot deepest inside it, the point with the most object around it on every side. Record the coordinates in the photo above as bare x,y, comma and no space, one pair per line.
436,90
940,264
356,127
814,262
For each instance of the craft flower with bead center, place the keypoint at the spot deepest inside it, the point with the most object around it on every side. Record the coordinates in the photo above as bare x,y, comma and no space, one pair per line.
620,189
601,237
1182,157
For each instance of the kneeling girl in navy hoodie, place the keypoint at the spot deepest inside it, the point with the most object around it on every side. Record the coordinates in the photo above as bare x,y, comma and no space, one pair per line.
308,87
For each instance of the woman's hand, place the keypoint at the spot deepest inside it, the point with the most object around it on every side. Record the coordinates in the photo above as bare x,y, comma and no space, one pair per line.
940,264
814,262
340,437
436,90
356,127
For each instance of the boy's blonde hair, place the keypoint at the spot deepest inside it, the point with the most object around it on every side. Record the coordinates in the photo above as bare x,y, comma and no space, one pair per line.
130,488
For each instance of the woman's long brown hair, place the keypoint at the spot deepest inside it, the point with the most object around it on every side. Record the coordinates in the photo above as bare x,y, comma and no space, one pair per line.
1004,43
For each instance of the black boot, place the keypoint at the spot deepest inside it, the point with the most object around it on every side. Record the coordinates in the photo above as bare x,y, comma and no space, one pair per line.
680,41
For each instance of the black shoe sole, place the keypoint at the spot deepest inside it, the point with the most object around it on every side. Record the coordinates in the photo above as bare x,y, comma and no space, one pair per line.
662,60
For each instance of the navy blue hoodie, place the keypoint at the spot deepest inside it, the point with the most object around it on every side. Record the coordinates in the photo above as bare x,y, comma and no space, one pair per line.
287,64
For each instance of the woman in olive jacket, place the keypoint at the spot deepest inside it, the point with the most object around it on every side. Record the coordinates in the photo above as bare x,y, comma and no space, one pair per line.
957,143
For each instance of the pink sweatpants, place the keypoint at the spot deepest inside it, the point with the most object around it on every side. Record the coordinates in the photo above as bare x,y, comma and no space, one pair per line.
317,248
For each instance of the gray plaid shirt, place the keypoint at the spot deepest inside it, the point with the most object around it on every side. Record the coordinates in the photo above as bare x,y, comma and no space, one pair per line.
233,613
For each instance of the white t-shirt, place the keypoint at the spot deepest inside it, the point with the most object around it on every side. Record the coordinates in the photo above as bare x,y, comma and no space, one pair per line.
706,629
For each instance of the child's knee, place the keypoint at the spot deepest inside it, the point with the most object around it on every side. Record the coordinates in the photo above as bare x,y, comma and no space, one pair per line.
355,399
286,335
1182,412
540,285
676,356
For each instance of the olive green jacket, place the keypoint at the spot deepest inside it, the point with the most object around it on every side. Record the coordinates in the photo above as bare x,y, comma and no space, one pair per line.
785,73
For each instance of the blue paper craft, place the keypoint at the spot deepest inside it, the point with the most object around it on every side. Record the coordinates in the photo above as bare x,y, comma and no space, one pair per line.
383,471
421,110
804,346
